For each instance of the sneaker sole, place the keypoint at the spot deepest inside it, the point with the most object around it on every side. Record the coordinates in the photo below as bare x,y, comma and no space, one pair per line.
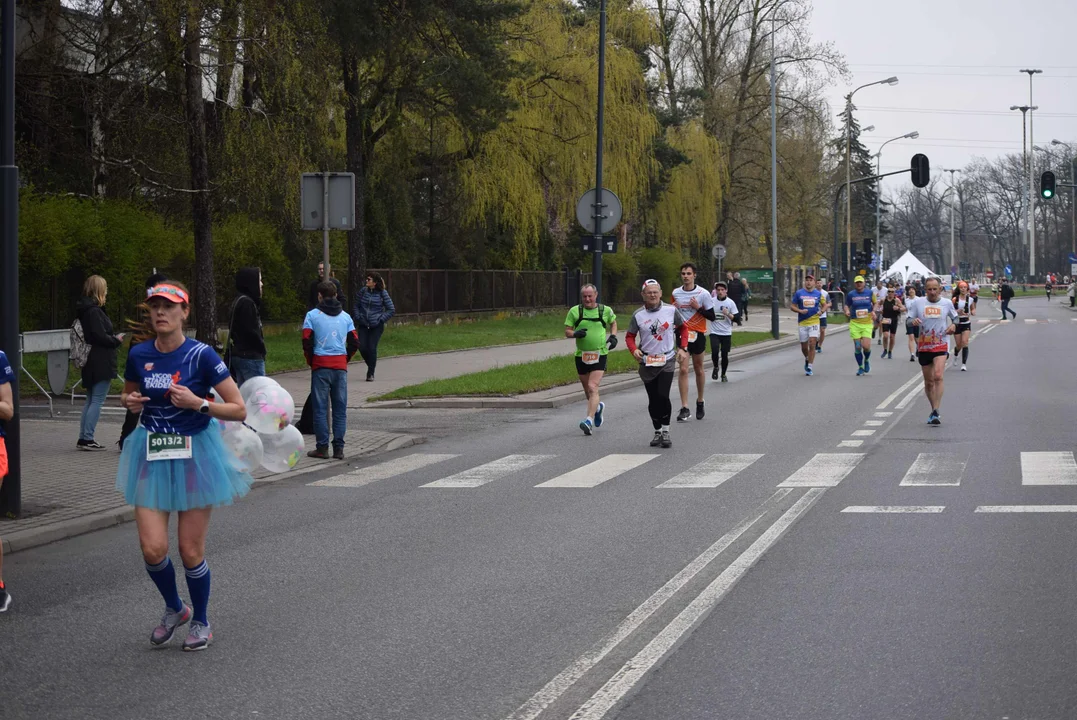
586,429
6,605
196,649
173,634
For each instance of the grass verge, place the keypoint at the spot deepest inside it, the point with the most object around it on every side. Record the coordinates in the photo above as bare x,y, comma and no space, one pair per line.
531,376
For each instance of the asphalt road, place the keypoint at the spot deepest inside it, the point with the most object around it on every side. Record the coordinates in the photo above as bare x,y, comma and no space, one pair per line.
603,595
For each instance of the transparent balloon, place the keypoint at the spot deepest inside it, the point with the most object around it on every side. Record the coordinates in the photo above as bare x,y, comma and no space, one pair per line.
282,449
245,444
255,383
270,409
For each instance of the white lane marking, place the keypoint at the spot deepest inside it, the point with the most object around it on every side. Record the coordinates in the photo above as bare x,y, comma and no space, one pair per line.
874,423
1048,468
894,509
597,472
583,664
383,471
936,469
824,470
712,472
863,433
909,398
850,443
488,472
893,396
987,329
883,414
635,670
1030,322
1027,509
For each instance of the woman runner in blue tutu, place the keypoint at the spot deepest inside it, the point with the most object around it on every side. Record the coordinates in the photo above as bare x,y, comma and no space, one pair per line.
175,460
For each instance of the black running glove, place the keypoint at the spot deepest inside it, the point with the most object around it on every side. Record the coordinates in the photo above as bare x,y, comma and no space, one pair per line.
611,342
582,332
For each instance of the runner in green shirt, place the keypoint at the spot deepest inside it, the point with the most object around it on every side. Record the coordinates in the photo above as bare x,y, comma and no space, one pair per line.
589,324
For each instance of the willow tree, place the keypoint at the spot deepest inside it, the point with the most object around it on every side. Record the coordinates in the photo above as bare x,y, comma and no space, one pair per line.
527,174
687,211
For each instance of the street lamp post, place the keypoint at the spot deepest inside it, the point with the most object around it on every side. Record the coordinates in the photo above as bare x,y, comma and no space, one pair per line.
1024,153
773,183
1073,194
848,161
878,171
953,191
10,494
1031,181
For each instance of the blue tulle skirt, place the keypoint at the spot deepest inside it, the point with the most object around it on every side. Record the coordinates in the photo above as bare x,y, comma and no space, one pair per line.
211,477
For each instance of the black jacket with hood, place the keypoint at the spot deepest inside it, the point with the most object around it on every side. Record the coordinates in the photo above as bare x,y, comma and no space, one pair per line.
245,322
98,333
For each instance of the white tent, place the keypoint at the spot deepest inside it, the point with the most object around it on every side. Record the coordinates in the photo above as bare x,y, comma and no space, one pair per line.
905,267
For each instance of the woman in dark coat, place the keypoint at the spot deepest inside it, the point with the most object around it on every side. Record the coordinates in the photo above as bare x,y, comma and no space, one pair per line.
100,367
373,307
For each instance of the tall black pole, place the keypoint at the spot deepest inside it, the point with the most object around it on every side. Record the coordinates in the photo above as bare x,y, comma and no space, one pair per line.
10,493
596,267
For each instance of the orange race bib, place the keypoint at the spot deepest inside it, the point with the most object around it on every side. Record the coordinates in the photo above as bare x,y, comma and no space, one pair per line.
930,311
862,313
692,335
590,357
808,302
655,361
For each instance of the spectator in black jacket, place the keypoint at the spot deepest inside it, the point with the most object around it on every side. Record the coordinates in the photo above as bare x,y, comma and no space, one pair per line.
100,367
1006,294
736,294
312,299
246,349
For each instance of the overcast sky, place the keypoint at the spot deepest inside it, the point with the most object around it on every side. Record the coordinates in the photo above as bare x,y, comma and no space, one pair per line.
958,56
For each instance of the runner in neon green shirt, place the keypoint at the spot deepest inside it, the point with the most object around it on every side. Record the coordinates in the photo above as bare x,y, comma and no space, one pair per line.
589,324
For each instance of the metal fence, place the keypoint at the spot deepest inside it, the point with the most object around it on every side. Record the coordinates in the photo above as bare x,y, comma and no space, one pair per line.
416,292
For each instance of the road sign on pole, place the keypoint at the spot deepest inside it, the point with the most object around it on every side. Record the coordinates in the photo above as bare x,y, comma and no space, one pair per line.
607,216
718,251
327,202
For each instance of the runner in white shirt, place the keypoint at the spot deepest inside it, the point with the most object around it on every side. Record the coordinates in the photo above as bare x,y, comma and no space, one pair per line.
662,336
721,330
935,316
695,307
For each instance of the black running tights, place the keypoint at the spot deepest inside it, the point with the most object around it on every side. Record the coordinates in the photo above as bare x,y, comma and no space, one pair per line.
658,405
720,344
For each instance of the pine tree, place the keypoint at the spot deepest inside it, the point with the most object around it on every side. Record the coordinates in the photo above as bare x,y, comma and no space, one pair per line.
863,194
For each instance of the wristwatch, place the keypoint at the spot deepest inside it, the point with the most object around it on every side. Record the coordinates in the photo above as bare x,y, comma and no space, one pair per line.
204,409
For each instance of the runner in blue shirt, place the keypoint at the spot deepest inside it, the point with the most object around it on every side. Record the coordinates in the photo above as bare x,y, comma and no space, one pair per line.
860,308
175,460
807,303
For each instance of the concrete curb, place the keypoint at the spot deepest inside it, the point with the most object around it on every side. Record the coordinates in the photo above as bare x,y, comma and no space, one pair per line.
569,394
54,532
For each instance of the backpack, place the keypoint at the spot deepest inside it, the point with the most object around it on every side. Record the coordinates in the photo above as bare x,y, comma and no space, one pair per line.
580,318
80,349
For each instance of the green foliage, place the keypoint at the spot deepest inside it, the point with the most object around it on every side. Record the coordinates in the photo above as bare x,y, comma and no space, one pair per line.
662,265
239,242
64,239
620,273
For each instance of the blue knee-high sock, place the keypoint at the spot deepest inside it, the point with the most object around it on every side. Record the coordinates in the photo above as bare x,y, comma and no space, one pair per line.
867,354
198,585
164,577
859,357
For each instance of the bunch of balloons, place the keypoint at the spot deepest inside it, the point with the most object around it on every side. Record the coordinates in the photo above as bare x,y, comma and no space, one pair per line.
267,438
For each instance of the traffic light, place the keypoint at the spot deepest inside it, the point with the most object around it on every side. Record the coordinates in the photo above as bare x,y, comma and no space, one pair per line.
1047,185
867,246
921,170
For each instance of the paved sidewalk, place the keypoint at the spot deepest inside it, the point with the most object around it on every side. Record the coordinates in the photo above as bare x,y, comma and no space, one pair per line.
67,492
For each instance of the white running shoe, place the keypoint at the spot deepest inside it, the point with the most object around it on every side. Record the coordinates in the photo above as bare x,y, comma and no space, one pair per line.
964,369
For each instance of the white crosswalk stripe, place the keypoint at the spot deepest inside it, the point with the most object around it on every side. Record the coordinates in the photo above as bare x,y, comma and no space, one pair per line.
383,471
823,470
1048,468
595,473
936,469
712,472
488,472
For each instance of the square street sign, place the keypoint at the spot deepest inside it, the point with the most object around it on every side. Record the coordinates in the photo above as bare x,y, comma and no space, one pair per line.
341,201
588,243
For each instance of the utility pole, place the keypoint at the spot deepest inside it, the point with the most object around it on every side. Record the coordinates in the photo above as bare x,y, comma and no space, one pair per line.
953,191
773,185
1031,179
596,265
11,492
1027,197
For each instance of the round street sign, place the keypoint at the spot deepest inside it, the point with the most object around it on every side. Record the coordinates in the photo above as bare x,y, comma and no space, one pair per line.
718,251
610,213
